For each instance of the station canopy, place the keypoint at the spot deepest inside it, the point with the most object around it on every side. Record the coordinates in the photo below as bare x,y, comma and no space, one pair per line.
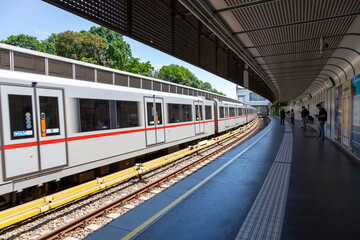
290,48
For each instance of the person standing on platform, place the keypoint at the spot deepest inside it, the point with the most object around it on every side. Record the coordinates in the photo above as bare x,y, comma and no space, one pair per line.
292,117
304,114
282,117
322,116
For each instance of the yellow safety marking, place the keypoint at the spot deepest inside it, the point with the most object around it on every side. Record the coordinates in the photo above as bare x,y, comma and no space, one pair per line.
168,207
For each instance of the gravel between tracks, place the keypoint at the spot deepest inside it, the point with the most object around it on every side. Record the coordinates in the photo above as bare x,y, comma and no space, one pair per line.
41,225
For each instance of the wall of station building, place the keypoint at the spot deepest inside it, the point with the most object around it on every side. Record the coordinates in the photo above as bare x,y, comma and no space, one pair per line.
342,104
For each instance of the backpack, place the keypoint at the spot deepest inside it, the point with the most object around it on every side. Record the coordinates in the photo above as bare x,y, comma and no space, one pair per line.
310,118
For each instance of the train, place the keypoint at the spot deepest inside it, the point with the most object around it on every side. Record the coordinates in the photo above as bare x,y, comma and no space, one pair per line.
54,128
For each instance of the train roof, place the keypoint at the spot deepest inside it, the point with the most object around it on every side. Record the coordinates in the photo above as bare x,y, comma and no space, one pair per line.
29,56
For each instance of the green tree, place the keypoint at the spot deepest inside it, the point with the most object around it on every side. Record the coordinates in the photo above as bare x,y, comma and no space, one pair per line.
24,41
88,48
118,51
30,42
135,66
181,75
176,74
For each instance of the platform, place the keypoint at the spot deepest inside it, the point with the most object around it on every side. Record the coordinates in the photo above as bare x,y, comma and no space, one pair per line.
275,185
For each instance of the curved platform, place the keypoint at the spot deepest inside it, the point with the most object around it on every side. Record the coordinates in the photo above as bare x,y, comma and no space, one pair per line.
266,188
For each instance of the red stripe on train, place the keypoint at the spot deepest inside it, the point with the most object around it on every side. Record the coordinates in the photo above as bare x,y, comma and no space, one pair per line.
104,134
60,140
20,145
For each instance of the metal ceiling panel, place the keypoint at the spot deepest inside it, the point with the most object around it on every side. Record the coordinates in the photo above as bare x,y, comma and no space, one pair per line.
279,39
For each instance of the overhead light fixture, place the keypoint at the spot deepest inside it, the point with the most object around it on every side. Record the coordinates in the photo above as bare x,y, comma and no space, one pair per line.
323,45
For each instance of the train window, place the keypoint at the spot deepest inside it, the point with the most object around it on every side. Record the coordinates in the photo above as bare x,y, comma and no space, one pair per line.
186,113
94,114
49,116
222,112
174,113
198,113
127,114
159,113
179,113
21,117
232,112
226,112
208,114
150,112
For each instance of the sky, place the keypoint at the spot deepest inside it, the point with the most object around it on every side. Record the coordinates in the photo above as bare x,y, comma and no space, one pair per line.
40,19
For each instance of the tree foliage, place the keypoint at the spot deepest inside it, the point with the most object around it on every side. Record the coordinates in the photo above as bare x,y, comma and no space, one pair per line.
181,75
105,47
29,42
87,48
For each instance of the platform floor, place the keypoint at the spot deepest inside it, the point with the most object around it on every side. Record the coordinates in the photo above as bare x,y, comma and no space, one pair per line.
279,184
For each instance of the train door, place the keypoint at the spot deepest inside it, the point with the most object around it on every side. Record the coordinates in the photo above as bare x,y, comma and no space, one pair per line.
155,130
199,118
227,121
26,150
51,130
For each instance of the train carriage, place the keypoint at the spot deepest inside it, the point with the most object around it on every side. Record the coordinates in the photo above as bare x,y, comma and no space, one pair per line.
52,127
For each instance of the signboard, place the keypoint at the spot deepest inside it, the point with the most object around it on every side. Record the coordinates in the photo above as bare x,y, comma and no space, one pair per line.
346,113
338,109
355,128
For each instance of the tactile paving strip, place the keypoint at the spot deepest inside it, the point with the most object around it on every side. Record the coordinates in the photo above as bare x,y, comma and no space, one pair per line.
264,220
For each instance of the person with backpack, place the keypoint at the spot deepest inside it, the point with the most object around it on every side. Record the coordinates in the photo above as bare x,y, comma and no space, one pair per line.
304,115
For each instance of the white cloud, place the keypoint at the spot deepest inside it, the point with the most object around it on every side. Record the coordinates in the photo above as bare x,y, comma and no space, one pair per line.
39,34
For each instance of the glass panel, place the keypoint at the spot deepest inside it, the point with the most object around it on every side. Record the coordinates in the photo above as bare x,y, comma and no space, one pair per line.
198,112
221,112
158,113
21,116
49,116
208,114
150,113
187,113
231,112
174,113
226,112
127,114
94,114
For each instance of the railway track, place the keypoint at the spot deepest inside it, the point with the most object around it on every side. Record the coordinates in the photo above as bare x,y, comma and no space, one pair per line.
141,191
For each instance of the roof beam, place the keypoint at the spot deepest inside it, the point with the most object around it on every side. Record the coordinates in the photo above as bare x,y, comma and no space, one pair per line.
242,6
299,23
289,53
303,40
305,60
328,64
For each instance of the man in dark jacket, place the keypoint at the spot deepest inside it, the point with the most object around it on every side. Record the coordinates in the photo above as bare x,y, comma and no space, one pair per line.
282,117
304,115
322,119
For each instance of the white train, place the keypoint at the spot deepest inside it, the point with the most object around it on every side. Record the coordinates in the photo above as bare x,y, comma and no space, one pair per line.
53,127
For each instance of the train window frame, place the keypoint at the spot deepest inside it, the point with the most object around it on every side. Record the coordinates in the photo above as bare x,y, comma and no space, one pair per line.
231,112
96,125
221,112
208,112
130,113
198,113
54,115
183,114
28,115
